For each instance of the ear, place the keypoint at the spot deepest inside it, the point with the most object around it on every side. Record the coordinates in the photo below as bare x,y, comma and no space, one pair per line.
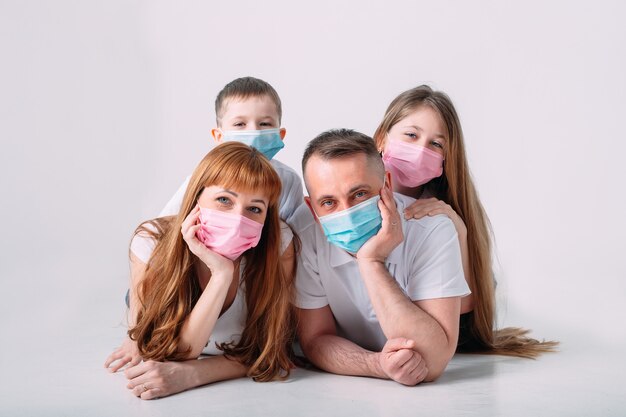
282,132
307,201
217,135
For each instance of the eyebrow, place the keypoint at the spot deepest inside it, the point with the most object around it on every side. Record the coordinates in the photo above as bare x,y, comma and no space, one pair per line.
259,201
350,191
256,200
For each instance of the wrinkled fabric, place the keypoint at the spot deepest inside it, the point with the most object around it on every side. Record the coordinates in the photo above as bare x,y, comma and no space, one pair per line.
349,229
266,141
411,165
228,234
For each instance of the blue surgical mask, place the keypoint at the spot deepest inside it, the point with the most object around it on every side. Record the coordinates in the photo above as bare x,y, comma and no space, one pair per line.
266,141
349,229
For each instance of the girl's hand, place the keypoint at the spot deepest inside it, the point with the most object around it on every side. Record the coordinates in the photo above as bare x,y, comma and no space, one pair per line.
127,353
215,262
432,207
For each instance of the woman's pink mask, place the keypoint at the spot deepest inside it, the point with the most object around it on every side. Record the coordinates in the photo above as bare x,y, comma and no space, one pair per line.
228,234
411,165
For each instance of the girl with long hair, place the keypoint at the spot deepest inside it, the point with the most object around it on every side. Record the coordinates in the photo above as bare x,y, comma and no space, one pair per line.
421,141
218,280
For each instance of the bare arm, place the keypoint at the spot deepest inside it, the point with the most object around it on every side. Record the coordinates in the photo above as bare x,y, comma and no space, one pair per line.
320,343
152,379
199,325
432,324
128,353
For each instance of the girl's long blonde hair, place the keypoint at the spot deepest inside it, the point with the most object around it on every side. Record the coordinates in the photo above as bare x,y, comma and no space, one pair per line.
456,188
170,286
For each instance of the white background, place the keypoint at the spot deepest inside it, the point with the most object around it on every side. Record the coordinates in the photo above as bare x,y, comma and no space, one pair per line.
106,106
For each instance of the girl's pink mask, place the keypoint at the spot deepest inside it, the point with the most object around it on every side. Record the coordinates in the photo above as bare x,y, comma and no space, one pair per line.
228,234
411,165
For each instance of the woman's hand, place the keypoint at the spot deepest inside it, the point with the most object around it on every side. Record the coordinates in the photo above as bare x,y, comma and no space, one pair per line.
432,207
215,262
153,379
159,379
128,353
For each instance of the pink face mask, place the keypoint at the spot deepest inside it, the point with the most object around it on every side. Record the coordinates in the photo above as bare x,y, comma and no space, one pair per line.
228,234
411,165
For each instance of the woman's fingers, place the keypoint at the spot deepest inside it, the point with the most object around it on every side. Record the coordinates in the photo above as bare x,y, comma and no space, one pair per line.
117,360
190,220
117,353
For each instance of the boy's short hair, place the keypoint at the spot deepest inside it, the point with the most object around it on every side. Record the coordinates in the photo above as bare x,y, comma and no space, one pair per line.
339,143
243,88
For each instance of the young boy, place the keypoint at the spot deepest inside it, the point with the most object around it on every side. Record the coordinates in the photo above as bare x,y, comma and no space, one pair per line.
249,110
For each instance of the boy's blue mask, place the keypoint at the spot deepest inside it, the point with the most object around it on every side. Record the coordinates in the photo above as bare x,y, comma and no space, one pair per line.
266,141
349,229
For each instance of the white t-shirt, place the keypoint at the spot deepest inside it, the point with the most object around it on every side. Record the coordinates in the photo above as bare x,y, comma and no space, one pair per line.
229,326
291,195
426,265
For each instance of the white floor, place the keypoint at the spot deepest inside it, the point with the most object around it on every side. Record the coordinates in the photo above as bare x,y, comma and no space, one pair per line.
67,379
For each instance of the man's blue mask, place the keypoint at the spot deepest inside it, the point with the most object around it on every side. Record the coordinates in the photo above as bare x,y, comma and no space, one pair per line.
266,141
349,229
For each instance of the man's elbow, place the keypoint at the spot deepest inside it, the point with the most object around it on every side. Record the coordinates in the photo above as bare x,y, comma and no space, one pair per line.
437,366
432,376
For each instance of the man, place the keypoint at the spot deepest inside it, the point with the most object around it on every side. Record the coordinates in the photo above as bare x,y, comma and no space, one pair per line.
377,295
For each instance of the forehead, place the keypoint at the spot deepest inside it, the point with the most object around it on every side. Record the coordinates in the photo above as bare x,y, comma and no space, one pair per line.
241,194
337,177
424,117
254,106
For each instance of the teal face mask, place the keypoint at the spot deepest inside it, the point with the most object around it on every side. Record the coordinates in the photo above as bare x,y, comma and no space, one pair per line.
349,229
266,141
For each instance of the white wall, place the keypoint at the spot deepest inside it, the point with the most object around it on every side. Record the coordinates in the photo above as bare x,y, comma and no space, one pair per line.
106,106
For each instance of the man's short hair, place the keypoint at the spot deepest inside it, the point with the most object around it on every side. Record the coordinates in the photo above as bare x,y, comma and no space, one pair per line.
339,143
244,88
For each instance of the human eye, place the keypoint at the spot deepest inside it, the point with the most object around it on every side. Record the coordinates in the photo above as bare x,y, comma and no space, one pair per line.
225,201
327,204
360,194
267,124
436,144
255,209
411,135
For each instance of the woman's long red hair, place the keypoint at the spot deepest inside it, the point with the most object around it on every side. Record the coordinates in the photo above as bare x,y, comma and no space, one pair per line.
170,287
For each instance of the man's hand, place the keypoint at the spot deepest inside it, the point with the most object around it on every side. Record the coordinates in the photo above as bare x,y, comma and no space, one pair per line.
401,363
390,234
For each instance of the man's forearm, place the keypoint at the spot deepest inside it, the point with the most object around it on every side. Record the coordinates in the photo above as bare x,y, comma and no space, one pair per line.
400,317
340,356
